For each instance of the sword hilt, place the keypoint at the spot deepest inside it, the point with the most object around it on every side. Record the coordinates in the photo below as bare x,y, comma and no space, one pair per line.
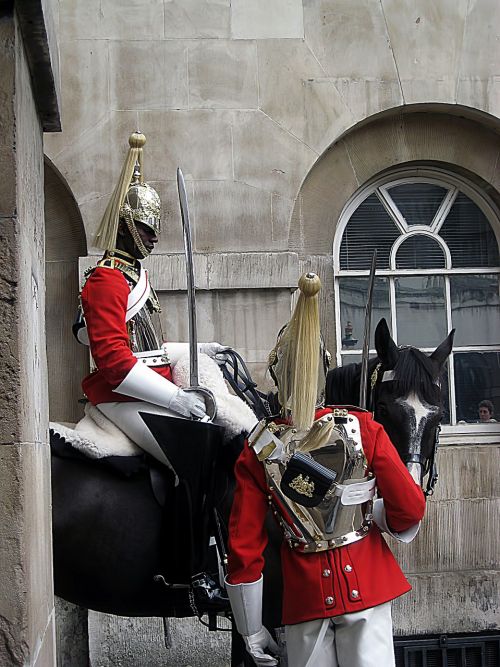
209,398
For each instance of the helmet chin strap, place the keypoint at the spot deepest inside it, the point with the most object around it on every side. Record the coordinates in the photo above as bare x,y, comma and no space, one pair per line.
129,221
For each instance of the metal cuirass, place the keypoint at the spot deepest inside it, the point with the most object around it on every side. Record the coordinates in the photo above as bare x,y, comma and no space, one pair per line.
343,514
143,331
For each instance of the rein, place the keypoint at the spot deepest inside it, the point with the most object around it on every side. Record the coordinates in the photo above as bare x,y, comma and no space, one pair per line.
238,376
428,465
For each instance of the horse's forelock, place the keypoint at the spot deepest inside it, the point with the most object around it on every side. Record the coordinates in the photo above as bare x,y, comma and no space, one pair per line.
414,372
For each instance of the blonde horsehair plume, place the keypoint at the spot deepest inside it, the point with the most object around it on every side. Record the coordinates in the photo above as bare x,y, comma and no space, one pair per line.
108,229
317,437
298,353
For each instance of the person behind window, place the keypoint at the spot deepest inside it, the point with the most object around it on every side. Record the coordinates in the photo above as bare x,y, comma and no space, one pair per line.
486,411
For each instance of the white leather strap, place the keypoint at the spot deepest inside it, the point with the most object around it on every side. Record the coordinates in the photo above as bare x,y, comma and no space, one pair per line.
138,295
265,444
153,357
354,494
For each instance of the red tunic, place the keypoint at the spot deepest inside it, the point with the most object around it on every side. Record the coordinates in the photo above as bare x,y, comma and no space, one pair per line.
104,301
329,583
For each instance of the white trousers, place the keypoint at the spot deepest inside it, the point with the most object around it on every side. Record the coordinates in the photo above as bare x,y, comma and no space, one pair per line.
125,415
361,639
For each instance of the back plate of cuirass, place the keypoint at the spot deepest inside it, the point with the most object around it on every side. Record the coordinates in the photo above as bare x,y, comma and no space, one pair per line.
344,515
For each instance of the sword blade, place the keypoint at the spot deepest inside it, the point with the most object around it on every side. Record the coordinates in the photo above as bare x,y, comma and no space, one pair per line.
191,291
363,385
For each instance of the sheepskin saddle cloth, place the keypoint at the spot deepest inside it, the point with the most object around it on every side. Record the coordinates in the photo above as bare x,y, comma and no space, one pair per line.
96,437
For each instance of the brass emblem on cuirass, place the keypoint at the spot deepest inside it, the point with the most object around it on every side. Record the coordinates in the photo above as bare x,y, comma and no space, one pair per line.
302,485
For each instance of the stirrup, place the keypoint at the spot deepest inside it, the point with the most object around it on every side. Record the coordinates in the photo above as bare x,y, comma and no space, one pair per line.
206,595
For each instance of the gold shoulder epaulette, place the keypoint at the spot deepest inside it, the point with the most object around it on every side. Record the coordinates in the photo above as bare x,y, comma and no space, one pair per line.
108,262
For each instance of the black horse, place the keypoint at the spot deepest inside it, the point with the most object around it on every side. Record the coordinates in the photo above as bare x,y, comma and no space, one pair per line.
112,537
404,395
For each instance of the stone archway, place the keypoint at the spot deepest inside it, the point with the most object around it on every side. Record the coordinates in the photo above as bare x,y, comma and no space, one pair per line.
65,242
453,137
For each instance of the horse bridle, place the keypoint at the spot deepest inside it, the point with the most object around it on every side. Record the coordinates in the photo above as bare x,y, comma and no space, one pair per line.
429,464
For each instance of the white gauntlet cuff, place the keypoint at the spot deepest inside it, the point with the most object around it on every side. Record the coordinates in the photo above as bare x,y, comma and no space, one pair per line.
380,519
246,603
146,385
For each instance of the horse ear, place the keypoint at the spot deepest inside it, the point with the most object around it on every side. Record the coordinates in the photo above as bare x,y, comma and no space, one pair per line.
386,348
442,351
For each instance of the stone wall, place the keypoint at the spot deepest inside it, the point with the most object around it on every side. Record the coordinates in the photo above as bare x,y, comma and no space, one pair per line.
259,114
27,626
278,113
453,565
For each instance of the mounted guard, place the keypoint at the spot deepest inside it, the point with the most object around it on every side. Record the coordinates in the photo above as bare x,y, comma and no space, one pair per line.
132,382
320,469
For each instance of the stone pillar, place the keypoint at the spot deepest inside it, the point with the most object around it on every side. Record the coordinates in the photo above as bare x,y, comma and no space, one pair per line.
26,603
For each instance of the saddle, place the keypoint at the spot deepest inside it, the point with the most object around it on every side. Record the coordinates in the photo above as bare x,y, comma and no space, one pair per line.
95,439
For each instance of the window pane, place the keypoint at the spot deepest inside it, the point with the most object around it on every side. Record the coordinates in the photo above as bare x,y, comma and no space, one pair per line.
418,202
475,309
350,359
469,235
353,294
370,227
477,377
354,358
420,310
420,252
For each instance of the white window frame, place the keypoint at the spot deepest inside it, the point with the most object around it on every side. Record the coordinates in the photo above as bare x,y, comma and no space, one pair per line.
458,433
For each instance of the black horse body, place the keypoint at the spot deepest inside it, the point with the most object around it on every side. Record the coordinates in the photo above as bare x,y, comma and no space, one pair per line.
108,544
112,537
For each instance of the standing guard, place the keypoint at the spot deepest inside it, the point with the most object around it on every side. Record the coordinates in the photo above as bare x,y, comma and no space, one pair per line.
120,321
334,482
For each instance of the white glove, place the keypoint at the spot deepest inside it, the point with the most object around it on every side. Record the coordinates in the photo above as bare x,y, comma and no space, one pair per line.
188,404
256,644
214,351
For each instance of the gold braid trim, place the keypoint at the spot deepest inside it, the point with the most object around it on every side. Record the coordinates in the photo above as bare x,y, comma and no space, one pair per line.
129,221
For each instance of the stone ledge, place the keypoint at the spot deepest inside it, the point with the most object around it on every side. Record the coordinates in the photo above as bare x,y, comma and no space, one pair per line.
447,603
252,270
40,44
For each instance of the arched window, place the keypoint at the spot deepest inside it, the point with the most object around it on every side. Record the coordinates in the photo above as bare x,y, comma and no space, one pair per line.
438,268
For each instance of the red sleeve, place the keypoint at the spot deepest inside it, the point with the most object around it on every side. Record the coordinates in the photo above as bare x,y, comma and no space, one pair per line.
404,500
104,302
247,532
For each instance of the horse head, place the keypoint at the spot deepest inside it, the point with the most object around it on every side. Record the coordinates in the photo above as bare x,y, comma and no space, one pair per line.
407,400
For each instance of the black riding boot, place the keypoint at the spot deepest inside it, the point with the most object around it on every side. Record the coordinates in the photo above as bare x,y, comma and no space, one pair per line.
192,449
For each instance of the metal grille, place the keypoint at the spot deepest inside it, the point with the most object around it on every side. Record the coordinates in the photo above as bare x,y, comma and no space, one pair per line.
448,651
